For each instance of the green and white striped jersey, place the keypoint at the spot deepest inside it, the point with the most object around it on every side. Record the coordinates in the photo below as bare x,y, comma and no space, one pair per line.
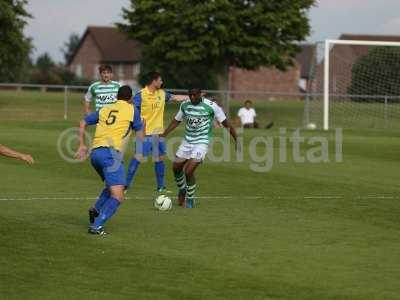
199,120
103,93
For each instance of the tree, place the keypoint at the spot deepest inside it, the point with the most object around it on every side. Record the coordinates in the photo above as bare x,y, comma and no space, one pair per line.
44,71
70,46
178,76
14,46
44,63
376,74
217,34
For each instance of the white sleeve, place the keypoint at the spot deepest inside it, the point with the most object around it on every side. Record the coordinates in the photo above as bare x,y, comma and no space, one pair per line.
254,112
219,113
88,95
240,112
179,115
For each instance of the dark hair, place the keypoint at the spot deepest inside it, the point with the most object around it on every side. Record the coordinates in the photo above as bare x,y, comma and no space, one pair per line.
194,91
124,93
105,68
151,76
248,101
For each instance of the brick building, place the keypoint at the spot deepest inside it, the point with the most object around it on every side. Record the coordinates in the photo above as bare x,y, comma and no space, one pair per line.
107,45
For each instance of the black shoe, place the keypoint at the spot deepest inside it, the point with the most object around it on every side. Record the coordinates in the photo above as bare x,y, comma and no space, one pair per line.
93,214
98,231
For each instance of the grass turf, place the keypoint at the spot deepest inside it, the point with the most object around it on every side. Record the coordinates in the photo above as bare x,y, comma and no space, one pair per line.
300,231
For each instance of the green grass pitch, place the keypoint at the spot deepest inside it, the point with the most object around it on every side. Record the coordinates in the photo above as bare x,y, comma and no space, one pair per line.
301,231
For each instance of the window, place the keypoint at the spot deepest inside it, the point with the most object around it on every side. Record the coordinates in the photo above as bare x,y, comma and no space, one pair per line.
78,70
96,74
136,70
120,71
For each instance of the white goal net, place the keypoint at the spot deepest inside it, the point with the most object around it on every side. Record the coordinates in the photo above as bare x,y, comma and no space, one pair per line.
355,84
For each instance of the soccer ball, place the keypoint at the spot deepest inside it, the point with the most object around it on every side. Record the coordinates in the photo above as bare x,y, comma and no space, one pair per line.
163,202
311,126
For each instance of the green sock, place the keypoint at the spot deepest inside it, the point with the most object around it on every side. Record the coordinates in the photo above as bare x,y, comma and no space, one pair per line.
191,188
180,181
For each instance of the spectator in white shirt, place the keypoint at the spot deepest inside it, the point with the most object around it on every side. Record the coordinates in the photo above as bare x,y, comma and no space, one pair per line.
247,115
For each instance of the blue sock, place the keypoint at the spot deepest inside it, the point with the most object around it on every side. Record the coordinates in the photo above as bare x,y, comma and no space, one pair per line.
108,210
105,194
159,168
133,166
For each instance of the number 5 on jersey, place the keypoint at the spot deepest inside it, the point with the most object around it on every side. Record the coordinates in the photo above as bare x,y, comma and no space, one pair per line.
112,117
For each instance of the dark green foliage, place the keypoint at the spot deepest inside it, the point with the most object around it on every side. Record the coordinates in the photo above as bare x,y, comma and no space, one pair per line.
376,74
14,46
70,46
215,34
180,77
46,71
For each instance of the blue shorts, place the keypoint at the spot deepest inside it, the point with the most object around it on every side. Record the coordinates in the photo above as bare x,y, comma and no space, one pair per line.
152,144
109,165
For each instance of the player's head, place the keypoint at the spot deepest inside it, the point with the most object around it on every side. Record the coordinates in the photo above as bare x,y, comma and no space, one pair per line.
154,79
195,95
248,104
105,72
125,93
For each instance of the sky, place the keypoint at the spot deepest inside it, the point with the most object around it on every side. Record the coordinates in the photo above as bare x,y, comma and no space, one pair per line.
54,21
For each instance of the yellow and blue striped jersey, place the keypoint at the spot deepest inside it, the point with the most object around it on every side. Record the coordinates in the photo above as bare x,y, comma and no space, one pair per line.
114,122
151,107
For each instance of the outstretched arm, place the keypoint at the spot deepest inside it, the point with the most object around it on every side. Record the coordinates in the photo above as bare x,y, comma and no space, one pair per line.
179,98
86,107
90,119
5,151
82,150
232,132
174,123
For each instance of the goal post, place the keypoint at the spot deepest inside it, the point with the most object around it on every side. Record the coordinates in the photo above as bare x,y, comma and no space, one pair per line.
356,84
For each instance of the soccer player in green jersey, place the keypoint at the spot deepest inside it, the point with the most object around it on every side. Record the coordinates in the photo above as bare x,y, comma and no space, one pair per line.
104,91
199,113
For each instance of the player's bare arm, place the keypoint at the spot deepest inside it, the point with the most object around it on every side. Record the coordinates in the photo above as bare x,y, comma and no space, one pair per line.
179,98
232,132
86,107
82,150
5,151
174,123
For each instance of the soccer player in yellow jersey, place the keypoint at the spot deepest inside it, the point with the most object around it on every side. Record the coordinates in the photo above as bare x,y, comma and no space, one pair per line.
150,101
114,123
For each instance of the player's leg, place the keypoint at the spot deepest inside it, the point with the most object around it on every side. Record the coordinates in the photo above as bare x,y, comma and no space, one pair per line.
182,155
179,175
159,150
197,155
96,158
101,200
109,208
142,149
190,168
114,174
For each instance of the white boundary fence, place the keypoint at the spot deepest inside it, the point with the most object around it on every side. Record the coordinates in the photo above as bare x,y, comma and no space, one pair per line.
44,88
316,99
224,96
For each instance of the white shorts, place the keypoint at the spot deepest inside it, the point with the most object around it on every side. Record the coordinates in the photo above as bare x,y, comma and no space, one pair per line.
192,151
